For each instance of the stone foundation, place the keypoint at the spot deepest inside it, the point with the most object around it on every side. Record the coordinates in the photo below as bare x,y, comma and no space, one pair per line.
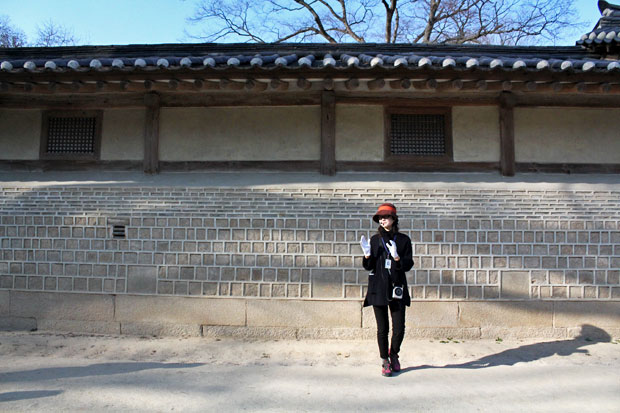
297,318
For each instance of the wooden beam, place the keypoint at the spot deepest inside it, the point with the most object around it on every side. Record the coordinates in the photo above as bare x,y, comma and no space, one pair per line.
376,84
151,133
425,84
304,83
231,85
507,133
252,84
200,84
328,133
328,83
278,84
451,85
352,83
401,84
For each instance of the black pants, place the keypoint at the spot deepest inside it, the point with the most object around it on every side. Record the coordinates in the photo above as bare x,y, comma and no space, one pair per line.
397,310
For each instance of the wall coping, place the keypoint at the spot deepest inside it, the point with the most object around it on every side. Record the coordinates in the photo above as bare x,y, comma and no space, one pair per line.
313,180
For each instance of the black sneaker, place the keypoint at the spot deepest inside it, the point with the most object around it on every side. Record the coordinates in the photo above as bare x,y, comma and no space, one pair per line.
394,363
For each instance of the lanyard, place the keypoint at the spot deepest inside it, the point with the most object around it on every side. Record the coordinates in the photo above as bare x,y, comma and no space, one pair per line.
385,246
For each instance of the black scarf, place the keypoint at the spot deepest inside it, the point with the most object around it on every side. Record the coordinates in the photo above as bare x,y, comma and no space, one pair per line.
387,235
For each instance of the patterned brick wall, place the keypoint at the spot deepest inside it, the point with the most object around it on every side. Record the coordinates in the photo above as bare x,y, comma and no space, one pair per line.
468,244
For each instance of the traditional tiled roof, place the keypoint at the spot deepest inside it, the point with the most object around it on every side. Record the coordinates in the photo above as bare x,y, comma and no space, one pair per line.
220,57
605,36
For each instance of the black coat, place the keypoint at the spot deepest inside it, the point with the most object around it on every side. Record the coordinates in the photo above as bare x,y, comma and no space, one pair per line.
381,280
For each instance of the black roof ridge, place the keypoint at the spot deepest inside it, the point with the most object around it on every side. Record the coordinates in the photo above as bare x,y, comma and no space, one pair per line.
203,49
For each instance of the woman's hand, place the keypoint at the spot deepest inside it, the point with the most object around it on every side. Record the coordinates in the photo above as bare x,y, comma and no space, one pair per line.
392,248
365,246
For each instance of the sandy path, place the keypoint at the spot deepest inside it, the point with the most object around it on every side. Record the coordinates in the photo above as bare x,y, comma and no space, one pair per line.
54,372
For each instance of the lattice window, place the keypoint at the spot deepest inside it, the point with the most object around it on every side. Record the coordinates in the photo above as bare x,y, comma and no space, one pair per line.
71,135
418,134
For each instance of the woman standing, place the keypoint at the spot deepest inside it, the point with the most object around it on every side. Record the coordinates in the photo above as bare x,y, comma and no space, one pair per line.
388,256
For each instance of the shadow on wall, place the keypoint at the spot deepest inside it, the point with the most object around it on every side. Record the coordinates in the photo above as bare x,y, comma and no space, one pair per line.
100,369
589,335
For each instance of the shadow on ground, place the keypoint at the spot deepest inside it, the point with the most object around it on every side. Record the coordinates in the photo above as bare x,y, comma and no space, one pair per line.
25,395
589,335
100,369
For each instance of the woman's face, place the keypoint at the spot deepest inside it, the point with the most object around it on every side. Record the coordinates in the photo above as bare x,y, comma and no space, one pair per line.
386,222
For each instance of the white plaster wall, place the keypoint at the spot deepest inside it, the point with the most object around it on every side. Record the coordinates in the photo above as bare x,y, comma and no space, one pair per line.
475,133
571,135
20,134
122,135
242,133
359,133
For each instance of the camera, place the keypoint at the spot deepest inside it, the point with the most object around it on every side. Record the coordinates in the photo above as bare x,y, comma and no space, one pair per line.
397,292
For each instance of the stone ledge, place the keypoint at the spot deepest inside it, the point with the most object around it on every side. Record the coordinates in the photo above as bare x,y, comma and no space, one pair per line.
160,329
302,318
250,333
77,326
494,332
443,332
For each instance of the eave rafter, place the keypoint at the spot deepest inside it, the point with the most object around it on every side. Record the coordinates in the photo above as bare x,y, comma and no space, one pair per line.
282,80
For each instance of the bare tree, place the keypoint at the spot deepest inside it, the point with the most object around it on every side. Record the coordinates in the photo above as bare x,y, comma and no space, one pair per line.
10,36
414,21
53,34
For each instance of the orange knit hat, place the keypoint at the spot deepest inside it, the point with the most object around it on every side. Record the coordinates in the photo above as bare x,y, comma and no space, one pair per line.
385,209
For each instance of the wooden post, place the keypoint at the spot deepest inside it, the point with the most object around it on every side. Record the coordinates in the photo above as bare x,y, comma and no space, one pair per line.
507,133
328,133
151,133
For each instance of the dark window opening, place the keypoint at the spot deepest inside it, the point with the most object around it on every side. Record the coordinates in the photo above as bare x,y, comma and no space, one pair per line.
420,135
71,135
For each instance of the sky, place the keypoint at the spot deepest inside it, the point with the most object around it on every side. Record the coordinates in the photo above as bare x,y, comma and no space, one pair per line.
106,22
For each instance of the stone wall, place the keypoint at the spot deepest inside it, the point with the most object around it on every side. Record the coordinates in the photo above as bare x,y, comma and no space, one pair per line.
259,248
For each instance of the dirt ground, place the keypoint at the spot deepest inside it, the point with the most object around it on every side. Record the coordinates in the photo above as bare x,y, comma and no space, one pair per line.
69,372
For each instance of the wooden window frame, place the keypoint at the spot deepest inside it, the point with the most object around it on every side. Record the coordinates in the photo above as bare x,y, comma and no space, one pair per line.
419,159
97,114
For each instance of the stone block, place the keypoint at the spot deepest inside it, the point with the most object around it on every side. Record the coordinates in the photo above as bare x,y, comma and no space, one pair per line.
368,318
442,333
160,329
515,284
303,313
514,333
421,314
506,314
594,313
142,279
251,333
79,326
4,303
17,323
600,334
327,283
432,314
180,310
62,306
329,334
